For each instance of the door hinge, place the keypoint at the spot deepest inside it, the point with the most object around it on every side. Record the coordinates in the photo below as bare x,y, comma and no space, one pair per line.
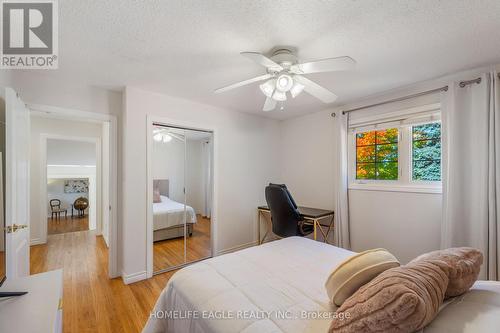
14,228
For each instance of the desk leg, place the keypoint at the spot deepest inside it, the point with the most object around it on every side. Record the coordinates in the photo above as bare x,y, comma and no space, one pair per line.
258,227
314,224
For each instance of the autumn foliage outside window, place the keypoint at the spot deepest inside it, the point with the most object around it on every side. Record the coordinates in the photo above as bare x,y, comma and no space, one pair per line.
377,154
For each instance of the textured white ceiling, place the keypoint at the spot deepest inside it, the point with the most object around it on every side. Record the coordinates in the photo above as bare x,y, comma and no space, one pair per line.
188,48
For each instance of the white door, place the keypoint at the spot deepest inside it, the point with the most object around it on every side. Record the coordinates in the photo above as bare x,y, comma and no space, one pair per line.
17,205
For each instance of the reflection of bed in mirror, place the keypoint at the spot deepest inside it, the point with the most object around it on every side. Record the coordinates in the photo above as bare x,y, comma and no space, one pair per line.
168,215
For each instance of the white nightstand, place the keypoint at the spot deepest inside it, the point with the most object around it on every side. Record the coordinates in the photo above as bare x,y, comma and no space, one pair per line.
38,311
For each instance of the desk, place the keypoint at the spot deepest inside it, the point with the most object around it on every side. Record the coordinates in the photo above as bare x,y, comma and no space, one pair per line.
311,215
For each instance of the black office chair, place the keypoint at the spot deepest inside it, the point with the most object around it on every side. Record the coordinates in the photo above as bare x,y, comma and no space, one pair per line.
285,218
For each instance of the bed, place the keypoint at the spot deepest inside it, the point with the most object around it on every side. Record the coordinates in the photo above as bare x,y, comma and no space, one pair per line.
168,215
279,287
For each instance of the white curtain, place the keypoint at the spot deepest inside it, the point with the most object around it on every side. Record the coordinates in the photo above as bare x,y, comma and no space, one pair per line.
207,178
471,166
341,235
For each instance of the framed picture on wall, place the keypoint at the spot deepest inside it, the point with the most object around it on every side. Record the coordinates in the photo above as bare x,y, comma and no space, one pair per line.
76,186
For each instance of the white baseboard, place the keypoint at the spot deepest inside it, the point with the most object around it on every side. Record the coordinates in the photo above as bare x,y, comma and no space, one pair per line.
237,248
36,241
134,277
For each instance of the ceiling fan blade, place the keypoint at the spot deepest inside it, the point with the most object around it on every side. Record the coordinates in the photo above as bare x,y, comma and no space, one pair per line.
243,83
325,65
262,60
314,89
269,105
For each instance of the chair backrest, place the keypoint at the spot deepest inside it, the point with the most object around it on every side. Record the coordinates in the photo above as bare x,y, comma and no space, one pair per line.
287,192
284,215
55,203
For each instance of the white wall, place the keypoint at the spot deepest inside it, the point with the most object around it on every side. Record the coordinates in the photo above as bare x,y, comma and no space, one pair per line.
39,128
65,152
307,159
5,79
406,224
195,194
41,88
246,160
168,163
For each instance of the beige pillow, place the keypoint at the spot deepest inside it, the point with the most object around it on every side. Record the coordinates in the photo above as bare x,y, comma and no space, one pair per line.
356,271
156,196
399,300
407,298
462,264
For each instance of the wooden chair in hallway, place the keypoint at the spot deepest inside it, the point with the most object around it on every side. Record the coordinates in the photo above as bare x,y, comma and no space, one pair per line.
56,209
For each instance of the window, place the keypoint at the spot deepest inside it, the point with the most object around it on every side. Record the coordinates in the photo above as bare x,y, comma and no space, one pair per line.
426,152
377,154
397,151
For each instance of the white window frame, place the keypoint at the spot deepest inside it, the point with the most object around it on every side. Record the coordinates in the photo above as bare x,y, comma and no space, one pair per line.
405,182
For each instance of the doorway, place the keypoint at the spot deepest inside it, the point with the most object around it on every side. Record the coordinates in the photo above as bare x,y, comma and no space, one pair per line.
180,176
72,186
73,160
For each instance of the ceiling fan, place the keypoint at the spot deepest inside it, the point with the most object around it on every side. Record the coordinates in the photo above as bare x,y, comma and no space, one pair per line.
285,75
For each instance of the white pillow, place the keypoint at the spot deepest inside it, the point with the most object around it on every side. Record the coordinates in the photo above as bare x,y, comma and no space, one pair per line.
356,271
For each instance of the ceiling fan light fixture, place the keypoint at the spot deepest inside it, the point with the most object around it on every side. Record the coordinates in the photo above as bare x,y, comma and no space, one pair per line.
268,87
279,96
296,89
284,83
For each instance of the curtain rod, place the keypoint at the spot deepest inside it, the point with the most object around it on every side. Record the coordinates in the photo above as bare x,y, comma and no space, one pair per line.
466,83
462,84
428,92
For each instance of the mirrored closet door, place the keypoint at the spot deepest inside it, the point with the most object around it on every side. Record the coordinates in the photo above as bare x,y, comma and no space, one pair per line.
182,196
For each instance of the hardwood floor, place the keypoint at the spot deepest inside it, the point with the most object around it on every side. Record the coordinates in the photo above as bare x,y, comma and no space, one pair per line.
67,224
91,301
170,253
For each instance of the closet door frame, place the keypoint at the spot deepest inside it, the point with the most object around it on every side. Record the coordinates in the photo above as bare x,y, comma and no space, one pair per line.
151,120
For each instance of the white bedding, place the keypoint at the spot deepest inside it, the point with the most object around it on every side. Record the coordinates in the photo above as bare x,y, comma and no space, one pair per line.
476,311
287,275
169,213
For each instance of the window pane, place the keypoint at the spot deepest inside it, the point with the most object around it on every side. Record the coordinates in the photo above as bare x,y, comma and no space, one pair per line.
377,154
387,170
427,170
366,138
365,171
387,152
427,150
427,131
365,154
387,136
